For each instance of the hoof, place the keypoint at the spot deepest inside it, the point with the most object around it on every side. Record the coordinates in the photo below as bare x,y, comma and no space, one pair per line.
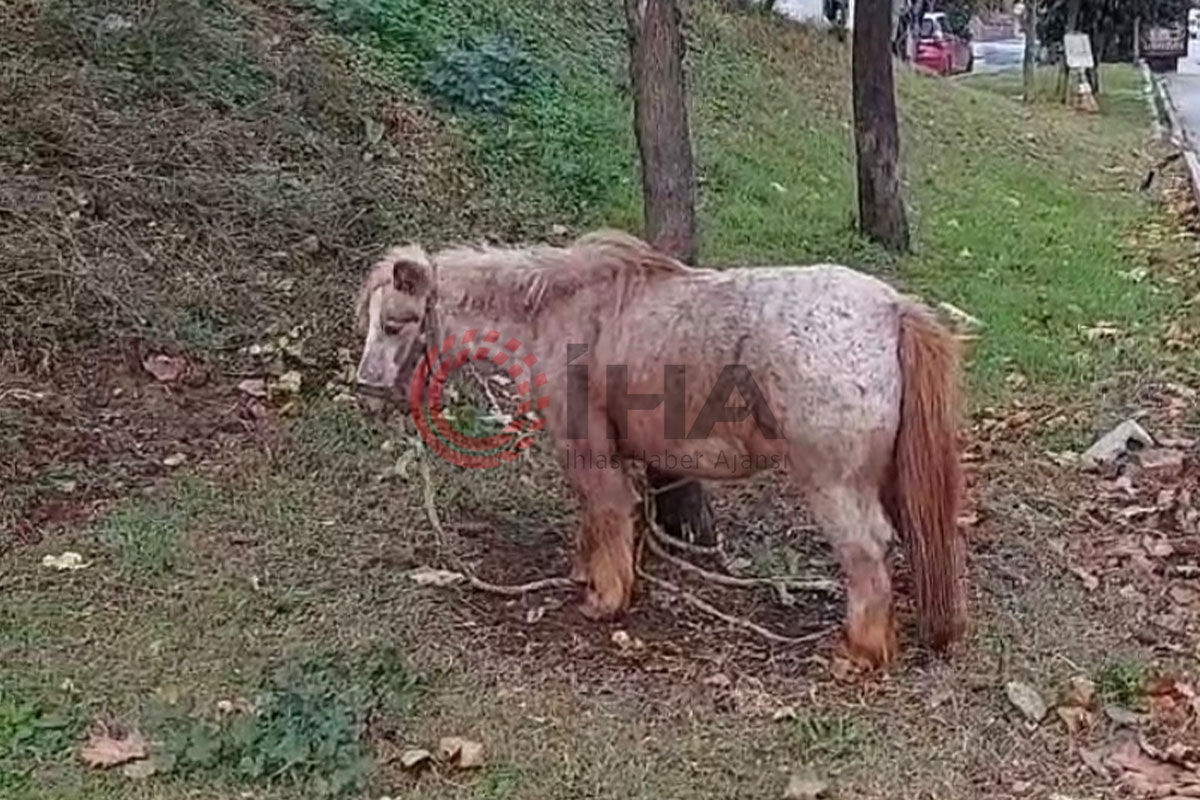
872,644
597,607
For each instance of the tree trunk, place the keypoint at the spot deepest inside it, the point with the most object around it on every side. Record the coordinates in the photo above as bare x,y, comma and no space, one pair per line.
661,124
656,50
876,136
1029,67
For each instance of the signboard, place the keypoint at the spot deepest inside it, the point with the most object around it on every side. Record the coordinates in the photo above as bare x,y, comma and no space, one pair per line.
1078,49
1164,40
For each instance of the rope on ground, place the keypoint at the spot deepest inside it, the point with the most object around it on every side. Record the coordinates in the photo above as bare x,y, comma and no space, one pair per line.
508,590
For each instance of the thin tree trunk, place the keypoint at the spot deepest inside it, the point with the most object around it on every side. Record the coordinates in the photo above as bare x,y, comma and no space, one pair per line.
656,51
1029,67
876,136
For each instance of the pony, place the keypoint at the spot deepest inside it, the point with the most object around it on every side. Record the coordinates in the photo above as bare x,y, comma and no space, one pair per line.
850,391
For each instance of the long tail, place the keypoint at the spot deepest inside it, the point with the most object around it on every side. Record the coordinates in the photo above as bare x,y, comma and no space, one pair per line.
928,475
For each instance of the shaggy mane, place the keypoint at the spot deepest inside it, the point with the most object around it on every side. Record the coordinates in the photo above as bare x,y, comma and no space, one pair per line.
608,265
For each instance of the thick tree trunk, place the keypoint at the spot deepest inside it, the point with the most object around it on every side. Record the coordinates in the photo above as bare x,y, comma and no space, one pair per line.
661,124
656,50
876,136
1029,67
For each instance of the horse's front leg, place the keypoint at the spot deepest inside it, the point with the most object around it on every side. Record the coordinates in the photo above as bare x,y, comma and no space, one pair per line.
854,520
604,557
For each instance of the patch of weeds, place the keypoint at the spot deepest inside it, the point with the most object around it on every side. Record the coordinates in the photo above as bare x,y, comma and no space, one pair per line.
830,737
331,432
1121,682
484,76
147,534
307,726
173,50
501,782
32,733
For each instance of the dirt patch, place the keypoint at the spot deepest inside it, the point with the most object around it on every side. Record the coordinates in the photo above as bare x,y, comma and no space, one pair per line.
103,432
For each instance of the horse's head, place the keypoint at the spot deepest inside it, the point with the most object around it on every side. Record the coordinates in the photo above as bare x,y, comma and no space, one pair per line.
392,317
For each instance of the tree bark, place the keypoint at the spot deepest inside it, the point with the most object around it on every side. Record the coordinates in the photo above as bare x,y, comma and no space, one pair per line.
1029,66
656,57
661,124
881,213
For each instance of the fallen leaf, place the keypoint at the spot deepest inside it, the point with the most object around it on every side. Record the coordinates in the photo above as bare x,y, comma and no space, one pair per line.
802,786
1161,462
469,754
428,576
140,770
414,756
785,713
1115,443
1080,692
1074,717
174,460
69,560
1123,716
289,382
108,747
255,387
1090,581
1093,761
1183,595
165,369
534,614
1026,699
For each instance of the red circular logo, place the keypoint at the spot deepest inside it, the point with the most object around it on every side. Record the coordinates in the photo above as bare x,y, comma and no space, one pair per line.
426,400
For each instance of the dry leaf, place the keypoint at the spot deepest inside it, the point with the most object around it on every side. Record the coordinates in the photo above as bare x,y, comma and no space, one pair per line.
255,387
805,787
289,382
174,460
140,770
106,747
468,754
414,756
1026,699
1090,581
1074,717
166,369
1093,761
428,576
1123,716
1080,692
67,561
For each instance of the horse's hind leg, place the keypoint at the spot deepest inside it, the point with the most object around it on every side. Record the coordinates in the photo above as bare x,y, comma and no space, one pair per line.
854,521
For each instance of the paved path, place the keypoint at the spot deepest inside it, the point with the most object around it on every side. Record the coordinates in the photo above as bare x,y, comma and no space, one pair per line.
1184,87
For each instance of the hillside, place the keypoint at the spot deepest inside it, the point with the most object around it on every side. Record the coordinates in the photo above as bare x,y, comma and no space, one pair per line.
204,174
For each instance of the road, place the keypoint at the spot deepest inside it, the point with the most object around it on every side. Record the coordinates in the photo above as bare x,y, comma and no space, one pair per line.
1184,87
998,56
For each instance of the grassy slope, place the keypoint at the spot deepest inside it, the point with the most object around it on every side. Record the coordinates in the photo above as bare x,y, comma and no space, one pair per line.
259,126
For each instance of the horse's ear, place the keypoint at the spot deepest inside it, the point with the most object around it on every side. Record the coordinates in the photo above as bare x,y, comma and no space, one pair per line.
411,273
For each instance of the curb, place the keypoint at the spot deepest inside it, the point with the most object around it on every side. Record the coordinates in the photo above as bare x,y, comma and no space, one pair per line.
1178,133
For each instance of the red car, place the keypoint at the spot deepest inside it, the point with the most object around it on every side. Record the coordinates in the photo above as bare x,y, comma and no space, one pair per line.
941,51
